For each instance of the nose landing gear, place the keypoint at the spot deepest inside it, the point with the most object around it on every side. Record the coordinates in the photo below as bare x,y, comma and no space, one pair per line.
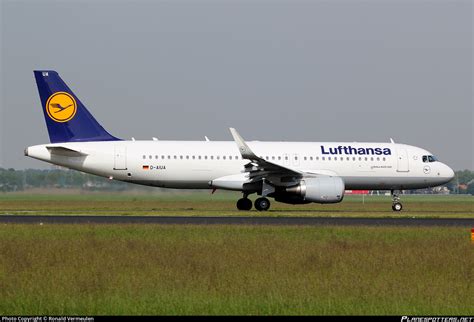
396,204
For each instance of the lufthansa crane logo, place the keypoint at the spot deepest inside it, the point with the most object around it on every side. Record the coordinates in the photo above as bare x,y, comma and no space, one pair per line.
61,107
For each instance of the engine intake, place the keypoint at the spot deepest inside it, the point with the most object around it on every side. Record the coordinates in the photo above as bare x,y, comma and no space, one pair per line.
320,190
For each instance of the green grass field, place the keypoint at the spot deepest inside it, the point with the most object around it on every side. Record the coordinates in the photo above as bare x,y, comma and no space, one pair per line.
153,269
166,269
223,204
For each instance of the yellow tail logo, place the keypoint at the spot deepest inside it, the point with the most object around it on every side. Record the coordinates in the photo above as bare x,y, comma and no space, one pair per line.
61,107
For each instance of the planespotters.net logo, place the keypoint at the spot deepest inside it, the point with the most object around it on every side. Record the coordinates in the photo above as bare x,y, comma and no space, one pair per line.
437,319
61,107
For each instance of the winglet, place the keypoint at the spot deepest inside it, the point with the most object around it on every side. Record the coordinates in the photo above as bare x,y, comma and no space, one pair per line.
243,147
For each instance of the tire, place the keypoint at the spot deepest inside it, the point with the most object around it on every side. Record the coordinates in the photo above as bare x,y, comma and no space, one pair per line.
397,206
262,204
244,204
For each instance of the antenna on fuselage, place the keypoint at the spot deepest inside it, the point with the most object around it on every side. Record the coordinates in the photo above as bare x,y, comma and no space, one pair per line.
154,139
207,139
391,141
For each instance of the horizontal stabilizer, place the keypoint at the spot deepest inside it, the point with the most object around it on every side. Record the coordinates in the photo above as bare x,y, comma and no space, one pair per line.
61,150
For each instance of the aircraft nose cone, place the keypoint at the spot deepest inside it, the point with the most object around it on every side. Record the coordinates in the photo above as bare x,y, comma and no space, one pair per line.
450,173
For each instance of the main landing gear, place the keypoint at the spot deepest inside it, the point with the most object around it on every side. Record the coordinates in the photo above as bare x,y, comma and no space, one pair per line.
244,204
261,204
396,204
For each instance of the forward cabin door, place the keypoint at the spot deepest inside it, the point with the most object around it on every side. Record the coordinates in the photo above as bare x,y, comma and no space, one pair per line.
120,158
402,161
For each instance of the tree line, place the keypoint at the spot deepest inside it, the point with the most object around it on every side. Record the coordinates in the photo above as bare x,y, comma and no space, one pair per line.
20,180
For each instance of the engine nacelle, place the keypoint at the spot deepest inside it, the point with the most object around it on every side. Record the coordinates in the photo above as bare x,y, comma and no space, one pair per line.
320,190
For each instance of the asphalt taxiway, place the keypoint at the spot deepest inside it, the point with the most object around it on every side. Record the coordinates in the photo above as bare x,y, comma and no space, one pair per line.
241,220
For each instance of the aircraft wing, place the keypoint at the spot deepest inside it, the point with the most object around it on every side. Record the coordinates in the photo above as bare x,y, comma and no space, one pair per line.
259,168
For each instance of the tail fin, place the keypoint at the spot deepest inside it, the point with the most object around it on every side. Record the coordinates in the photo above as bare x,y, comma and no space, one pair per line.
66,118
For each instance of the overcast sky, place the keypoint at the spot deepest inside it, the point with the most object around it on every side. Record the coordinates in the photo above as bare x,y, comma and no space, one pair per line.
275,70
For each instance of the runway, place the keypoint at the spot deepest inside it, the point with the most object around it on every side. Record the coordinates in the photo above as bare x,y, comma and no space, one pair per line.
182,220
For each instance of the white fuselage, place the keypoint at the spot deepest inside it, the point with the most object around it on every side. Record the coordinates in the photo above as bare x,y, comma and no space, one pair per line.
195,164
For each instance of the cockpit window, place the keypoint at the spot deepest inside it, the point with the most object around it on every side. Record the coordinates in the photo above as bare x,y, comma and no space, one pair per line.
429,158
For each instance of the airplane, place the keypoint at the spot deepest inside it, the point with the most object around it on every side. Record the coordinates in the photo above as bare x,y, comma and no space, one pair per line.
288,172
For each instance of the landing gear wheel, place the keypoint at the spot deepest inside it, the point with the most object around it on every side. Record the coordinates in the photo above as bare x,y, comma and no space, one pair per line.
397,206
244,204
262,204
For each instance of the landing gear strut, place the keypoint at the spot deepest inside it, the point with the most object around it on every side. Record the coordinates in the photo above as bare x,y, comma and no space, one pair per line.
262,204
396,204
244,203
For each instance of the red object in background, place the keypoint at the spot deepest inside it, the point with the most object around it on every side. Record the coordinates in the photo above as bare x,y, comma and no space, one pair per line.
357,192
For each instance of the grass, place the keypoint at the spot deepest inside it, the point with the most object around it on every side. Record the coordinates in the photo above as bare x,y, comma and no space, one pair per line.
166,269
153,270
223,204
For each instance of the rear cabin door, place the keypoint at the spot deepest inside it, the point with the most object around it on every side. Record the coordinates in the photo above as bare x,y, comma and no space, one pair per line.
402,161
120,158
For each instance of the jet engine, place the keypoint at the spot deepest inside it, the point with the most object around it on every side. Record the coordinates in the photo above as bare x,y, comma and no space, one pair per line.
321,190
